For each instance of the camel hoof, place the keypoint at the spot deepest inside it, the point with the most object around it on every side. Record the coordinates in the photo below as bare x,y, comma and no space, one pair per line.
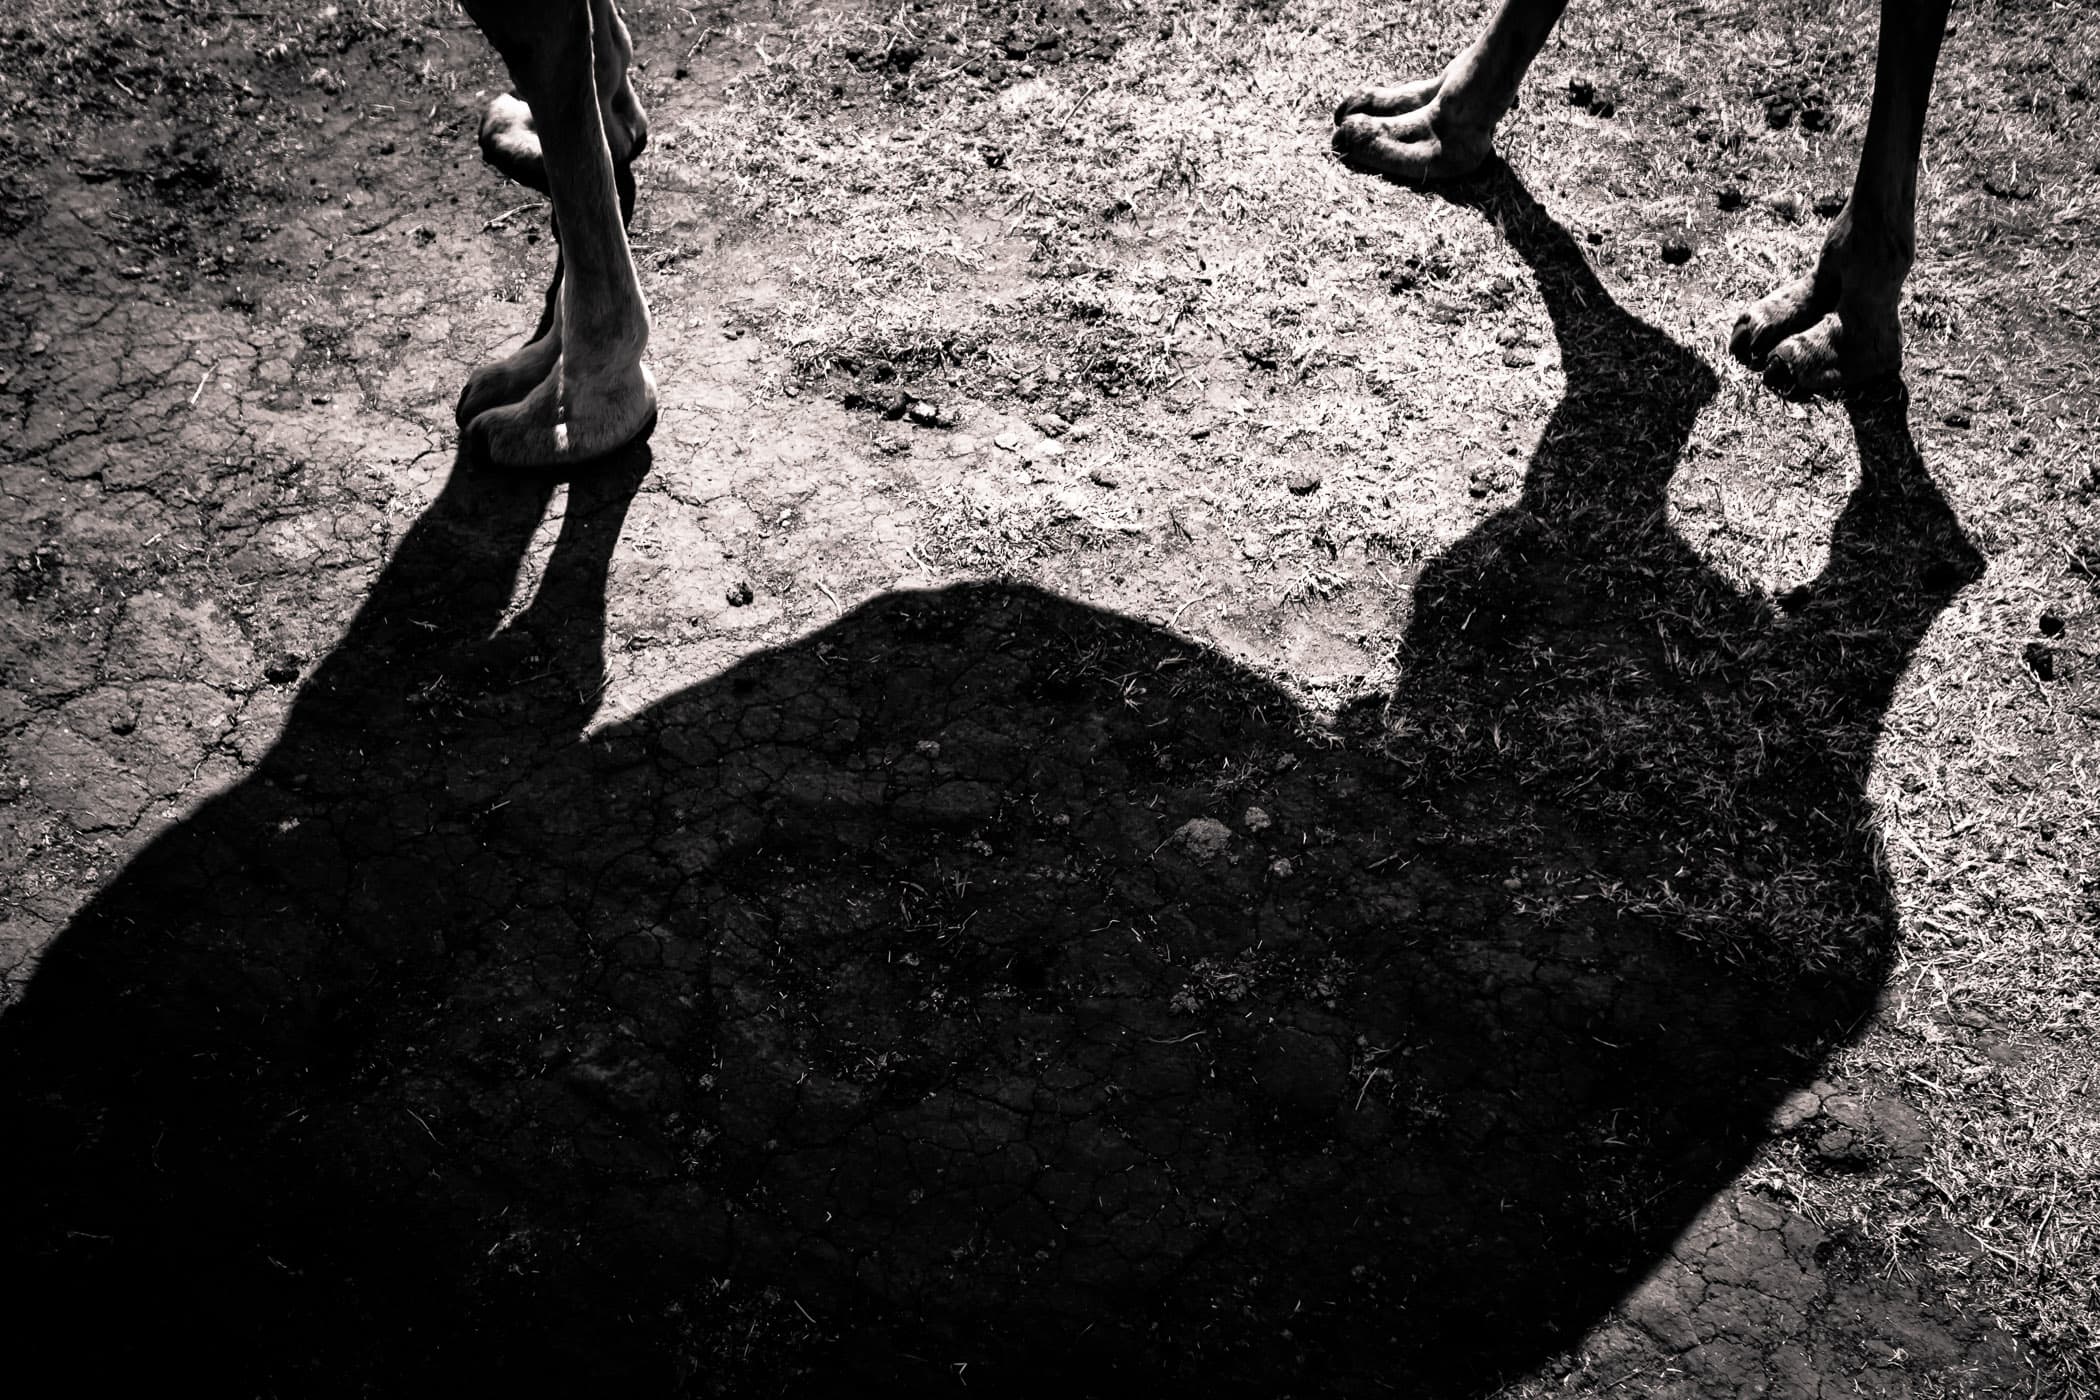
564,426
1414,146
1388,101
508,380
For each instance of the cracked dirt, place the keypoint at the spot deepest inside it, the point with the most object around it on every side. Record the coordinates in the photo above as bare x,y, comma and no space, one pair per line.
912,878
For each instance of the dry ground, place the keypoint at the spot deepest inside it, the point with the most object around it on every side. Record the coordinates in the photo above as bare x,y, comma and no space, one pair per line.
1434,528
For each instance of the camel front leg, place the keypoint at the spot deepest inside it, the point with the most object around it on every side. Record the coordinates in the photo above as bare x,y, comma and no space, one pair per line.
1442,127
510,141
597,396
1836,328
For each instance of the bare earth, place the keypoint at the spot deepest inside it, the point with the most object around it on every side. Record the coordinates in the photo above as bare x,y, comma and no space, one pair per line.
1175,768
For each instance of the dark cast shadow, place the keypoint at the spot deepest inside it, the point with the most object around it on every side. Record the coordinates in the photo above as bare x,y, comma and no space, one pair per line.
927,1002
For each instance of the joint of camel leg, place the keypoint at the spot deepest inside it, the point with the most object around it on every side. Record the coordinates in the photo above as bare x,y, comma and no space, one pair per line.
510,142
511,145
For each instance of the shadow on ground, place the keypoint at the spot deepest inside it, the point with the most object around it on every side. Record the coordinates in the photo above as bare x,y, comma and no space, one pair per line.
923,1002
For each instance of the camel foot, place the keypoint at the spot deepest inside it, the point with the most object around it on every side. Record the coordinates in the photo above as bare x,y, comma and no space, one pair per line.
511,143
1389,101
1802,353
1833,330
1411,146
1438,128
564,422
510,379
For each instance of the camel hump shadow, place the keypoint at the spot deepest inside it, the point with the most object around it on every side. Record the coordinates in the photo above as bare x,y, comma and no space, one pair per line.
986,977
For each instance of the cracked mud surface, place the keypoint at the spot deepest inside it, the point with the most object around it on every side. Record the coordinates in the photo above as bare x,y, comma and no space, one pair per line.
663,931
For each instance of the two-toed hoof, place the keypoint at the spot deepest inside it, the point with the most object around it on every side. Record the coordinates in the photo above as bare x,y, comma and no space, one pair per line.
1417,145
564,426
508,380
1808,343
1388,101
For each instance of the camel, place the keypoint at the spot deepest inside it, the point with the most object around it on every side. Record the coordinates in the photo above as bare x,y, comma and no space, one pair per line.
577,390
1831,330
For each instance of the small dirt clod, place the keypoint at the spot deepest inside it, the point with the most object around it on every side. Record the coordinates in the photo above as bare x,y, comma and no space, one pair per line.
1203,838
